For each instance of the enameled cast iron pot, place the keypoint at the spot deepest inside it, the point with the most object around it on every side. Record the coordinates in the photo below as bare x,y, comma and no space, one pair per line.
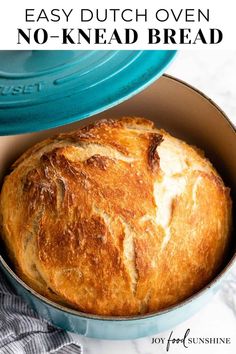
186,113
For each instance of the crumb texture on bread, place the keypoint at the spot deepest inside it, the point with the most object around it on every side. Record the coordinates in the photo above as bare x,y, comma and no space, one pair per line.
117,218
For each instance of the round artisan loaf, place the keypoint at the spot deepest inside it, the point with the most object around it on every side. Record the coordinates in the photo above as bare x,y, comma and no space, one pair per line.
117,218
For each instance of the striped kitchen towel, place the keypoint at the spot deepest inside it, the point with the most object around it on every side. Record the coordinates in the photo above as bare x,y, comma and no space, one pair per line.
22,331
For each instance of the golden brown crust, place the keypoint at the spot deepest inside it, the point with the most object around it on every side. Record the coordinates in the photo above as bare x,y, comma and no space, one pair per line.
115,218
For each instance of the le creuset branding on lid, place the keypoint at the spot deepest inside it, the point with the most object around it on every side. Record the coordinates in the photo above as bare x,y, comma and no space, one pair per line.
45,89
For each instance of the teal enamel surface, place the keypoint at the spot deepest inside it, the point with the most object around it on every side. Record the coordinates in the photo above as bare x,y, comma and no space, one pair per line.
103,328
158,105
45,89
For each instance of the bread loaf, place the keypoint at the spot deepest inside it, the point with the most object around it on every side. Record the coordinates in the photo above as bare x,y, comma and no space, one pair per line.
117,218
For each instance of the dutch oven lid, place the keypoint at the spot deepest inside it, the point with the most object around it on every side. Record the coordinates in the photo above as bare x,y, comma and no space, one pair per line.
45,89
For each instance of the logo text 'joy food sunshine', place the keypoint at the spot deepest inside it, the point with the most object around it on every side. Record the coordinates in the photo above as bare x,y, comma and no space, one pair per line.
186,340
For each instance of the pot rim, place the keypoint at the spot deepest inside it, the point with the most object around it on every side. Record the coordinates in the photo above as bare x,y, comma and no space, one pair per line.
187,301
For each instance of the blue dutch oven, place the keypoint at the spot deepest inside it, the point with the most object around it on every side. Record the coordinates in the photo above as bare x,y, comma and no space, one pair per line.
169,102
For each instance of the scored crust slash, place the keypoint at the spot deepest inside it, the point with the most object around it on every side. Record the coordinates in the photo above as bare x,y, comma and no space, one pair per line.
115,219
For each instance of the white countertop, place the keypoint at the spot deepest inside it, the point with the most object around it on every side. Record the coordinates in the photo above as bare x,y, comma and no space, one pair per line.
214,73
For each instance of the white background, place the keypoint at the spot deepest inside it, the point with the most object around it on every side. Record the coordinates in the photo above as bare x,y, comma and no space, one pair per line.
214,73
12,16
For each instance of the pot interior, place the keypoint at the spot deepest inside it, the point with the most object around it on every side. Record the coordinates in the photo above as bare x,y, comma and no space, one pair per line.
173,106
